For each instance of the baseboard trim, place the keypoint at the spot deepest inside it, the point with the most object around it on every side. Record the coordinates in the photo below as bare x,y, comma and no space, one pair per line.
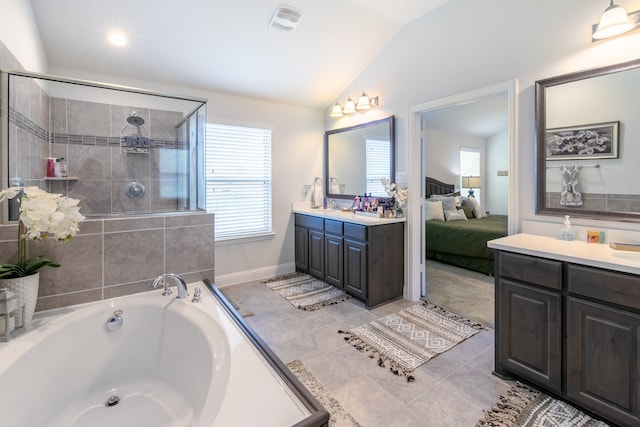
253,275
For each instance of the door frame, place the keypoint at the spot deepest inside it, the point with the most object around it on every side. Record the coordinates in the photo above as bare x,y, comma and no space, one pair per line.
415,180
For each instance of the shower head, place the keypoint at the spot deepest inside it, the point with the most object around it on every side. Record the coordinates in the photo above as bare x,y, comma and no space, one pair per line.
135,119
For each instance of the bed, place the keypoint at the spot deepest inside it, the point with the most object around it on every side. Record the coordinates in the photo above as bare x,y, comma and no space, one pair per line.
462,243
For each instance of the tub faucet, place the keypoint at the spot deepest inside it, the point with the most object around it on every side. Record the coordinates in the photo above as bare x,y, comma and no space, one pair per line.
162,279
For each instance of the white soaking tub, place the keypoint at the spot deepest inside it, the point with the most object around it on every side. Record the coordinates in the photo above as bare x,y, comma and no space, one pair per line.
171,363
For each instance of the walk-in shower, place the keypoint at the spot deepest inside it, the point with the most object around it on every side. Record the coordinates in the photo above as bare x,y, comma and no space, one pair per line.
128,151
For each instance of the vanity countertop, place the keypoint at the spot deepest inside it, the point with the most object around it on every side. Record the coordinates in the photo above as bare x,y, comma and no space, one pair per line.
579,252
347,216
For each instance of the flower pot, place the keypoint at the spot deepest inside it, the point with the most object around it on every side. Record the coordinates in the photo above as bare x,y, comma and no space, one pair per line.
26,289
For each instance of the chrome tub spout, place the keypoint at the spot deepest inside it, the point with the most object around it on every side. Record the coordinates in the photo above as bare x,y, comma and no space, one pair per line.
181,285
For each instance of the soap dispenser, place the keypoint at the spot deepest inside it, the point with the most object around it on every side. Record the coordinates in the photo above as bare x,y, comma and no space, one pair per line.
566,231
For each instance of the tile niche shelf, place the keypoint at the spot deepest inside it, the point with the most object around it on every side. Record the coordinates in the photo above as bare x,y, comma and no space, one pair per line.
61,178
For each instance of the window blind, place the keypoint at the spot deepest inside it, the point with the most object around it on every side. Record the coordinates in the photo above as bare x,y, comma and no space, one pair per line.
377,165
238,180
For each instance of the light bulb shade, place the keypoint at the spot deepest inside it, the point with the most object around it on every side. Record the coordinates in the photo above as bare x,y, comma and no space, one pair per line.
613,21
349,106
471,182
336,111
364,103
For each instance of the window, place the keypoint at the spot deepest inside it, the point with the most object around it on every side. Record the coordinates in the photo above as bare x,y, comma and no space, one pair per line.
377,165
238,180
469,166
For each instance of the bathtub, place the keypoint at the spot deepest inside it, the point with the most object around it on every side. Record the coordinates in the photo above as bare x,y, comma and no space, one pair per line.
171,363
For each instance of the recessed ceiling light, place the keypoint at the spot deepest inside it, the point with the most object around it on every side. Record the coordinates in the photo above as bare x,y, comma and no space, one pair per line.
117,39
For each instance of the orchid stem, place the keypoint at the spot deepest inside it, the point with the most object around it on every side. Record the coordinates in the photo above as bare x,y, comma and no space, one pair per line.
22,245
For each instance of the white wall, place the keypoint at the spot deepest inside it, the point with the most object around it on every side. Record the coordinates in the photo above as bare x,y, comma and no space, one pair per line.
19,33
496,197
466,45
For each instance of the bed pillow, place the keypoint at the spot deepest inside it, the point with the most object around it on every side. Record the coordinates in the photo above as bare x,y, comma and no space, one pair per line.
475,207
448,203
433,211
457,215
468,212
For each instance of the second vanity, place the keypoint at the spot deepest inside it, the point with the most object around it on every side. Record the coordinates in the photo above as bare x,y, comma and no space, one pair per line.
568,321
362,255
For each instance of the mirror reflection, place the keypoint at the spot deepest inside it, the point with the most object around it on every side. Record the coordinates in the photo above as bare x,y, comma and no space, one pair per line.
357,158
587,133
118,150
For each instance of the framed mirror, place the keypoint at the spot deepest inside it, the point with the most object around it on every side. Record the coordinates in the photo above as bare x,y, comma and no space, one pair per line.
588,143
357,158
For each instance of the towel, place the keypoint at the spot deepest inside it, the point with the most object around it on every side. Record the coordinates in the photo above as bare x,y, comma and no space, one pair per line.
317,197
570,194
334,186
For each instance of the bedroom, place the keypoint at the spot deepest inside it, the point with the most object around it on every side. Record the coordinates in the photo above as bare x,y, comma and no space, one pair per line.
462,140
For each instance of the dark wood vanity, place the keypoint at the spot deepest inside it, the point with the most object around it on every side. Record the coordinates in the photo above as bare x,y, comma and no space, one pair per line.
569,327
366,260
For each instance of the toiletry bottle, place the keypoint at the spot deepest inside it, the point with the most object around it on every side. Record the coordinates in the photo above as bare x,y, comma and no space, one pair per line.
566,231
56,167
63,167
51,167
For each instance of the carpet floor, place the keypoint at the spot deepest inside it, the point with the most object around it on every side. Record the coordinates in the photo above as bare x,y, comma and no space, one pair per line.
407,339
339,417
306,292
523,406
466,292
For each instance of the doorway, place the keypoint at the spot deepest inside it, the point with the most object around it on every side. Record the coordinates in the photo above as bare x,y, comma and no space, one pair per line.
419,116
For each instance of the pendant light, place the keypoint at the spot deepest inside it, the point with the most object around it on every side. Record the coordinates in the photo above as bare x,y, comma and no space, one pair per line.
364,103
336,111
349,106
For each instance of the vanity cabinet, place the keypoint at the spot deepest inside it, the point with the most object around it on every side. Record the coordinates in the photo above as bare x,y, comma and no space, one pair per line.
367,261
591,355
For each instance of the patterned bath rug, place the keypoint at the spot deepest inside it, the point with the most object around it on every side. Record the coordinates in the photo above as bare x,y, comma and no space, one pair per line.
338,416
306,292
523,406
407,339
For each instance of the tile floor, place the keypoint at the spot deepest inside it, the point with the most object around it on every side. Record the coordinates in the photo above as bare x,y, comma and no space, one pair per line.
451,389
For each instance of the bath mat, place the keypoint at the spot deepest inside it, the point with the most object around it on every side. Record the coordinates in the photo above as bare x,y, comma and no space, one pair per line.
407,339
338,416
523,406
306,292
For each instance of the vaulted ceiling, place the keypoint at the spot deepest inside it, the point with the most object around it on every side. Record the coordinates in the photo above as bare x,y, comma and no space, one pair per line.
226,46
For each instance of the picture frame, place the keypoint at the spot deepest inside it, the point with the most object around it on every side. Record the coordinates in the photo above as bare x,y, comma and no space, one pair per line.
594,141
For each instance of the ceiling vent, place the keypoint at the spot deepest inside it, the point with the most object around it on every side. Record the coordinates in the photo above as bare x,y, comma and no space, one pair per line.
285,19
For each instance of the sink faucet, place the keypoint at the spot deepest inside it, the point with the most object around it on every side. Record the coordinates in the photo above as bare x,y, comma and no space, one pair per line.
182,286
332,204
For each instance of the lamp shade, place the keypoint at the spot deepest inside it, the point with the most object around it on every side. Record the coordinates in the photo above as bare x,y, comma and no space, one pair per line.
349,106
336,111
613,21
471,181
364,103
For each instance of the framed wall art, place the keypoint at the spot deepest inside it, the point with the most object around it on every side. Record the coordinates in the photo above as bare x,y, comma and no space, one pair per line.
597,141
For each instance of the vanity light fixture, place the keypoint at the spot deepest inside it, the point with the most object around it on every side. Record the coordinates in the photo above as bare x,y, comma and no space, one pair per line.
615,21
364,103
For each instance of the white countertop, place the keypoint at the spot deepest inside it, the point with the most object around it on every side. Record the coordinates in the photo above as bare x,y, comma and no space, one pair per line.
579,252
345,216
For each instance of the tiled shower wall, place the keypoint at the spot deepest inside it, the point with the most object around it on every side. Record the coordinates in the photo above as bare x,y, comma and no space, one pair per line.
87,134
108,257
113,257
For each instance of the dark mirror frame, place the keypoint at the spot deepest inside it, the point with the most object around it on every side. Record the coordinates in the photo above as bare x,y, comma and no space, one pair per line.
541,166
392,140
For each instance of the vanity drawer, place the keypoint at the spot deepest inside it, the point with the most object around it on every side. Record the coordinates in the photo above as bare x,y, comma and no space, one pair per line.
604,285
355,231
309,221
525,268
333,227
